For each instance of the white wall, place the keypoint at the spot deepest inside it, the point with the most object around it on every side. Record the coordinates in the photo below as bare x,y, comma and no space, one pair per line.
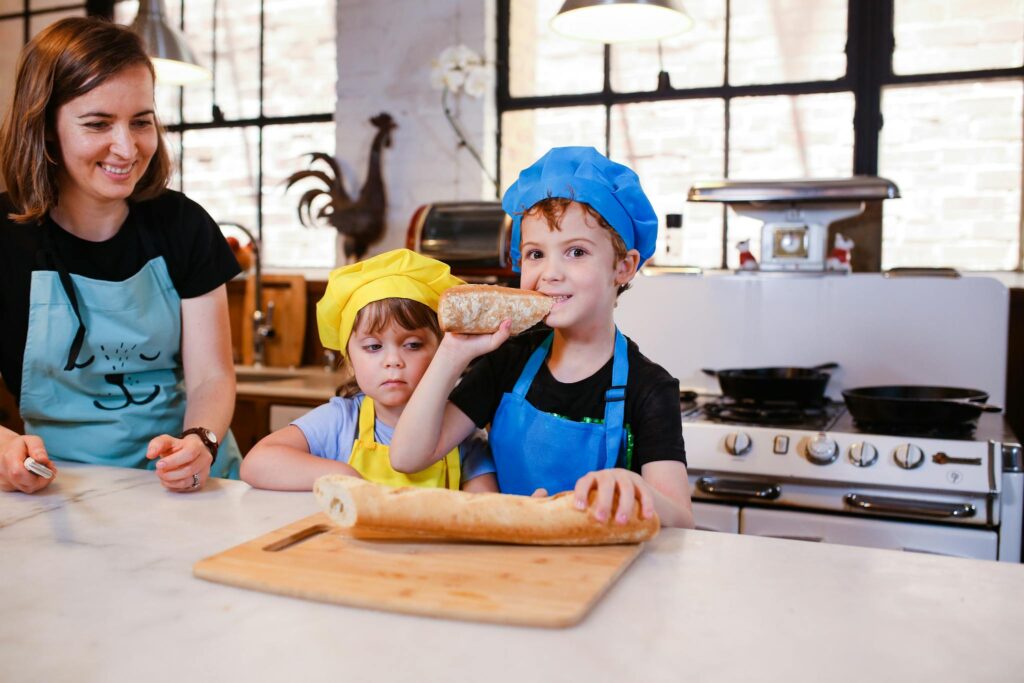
385,51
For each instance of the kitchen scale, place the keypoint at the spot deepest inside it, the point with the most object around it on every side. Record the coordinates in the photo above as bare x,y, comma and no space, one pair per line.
795,215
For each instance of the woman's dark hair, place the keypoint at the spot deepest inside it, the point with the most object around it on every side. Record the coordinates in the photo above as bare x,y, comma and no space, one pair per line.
64,61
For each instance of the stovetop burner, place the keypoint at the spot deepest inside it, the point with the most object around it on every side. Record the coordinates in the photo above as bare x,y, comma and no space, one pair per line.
813,416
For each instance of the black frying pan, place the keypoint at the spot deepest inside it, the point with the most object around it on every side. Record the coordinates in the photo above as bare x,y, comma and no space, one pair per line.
918,405
803,385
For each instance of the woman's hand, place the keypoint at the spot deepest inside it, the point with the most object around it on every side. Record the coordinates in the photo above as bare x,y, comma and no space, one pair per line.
184,464
13,475
463,348
630,486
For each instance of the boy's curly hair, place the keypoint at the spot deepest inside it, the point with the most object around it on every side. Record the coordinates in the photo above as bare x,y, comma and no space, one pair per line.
553,209
375,316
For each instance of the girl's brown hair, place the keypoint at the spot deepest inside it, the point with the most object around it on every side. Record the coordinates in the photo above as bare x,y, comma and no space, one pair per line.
374,317
553,209
65,60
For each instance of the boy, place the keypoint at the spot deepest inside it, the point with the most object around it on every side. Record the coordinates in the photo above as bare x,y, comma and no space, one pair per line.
577,408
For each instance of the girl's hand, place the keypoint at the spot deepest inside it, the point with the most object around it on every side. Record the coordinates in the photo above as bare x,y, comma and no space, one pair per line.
184,464
13,475
630,486
463,348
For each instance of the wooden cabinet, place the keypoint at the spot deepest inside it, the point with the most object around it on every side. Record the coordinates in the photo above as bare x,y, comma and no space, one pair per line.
252,420
9,415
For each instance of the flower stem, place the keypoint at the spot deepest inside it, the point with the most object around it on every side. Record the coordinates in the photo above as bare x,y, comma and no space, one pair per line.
463,142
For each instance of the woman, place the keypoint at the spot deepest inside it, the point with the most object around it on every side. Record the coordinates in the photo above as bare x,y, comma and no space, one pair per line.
114,330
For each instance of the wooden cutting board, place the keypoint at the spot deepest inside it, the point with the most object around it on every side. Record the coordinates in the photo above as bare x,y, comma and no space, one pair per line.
288,293
553,586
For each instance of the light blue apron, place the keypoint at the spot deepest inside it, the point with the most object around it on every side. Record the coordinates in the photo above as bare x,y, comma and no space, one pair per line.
102,369
533,449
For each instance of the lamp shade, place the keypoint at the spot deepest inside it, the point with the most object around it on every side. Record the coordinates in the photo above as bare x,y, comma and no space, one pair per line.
621,21
173,59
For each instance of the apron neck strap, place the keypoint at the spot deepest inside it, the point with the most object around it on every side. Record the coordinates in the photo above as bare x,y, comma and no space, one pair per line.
615,402
50,254
532,366
367,418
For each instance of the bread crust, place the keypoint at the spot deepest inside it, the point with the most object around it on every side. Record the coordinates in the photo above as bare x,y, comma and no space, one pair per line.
442,514
479,309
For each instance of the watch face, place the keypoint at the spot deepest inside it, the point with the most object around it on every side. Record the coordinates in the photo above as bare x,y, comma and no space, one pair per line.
211,436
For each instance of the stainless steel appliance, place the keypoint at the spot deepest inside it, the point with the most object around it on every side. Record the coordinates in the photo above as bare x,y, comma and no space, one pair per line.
471,237
795,214
810,471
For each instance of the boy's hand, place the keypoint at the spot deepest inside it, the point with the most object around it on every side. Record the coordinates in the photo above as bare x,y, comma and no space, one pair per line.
463,348
13,475
630,486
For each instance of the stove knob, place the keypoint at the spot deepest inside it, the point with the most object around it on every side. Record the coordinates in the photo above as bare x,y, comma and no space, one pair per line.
863,454
822,450
908,456
737,443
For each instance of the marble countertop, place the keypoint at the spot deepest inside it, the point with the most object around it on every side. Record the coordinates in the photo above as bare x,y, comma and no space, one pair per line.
96,585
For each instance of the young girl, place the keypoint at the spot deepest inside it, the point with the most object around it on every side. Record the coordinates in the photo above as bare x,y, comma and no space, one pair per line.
382,315
577,407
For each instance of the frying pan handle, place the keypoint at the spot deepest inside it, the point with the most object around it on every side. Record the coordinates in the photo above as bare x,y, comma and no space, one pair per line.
709,372
826,366
986,407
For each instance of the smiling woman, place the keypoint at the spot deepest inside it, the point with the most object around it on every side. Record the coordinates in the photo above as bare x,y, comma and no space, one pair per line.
112,296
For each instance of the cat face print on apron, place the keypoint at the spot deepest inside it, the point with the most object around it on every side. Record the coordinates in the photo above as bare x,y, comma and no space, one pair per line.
533,449
102,370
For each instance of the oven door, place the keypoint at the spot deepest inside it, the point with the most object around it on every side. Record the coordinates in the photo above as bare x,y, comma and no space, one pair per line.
715,517
981,544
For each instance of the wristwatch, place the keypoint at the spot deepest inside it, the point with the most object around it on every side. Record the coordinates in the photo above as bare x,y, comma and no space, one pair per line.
208,438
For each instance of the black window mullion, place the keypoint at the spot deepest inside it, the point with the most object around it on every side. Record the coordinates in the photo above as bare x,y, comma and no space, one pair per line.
869,48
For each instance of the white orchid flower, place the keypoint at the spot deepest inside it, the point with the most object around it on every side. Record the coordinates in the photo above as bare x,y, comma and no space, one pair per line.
477,81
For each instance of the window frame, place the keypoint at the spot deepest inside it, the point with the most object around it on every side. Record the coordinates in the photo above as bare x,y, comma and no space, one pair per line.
870,45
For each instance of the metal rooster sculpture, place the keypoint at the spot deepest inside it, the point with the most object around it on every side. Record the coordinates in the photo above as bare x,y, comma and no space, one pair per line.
360,222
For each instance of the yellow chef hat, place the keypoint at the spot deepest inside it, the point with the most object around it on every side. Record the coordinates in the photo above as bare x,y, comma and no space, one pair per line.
400,274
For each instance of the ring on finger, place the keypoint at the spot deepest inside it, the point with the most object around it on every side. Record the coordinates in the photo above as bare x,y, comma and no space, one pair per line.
195,481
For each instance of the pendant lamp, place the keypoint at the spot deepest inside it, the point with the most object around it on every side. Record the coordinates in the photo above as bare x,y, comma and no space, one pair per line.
621,21
173,59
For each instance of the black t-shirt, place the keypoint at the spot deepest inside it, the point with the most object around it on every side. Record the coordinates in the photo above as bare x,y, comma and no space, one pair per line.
171,225
652,413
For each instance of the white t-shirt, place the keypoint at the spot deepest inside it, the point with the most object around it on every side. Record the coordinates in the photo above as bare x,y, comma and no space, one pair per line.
331,429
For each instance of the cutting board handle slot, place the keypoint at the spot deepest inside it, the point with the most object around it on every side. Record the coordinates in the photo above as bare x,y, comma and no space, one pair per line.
297,538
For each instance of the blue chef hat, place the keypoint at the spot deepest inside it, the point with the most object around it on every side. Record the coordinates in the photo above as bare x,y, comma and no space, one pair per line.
585,175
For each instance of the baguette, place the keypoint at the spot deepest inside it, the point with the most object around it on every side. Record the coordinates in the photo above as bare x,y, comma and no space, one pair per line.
479,309
442,514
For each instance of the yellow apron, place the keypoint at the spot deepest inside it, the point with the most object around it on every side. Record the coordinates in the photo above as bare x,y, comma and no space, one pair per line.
371,460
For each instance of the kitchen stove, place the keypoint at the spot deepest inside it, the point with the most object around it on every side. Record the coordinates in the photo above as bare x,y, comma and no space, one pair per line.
762,468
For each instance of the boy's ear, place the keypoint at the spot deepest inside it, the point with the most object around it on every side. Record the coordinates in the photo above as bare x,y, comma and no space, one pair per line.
625,270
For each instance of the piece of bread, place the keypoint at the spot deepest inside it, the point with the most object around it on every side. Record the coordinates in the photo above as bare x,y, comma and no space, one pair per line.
479,309
442,514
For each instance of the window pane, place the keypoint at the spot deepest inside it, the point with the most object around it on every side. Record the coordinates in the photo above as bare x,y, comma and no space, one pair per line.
238,58
791,137
527,135
40,21
287,242
174,148
670,145
957,35
11,33
787,40
11,6
219,171
299,62
35,5
955,153
543,62
693,59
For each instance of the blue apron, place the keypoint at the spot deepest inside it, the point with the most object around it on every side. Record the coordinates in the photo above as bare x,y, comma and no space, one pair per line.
102,369
533,449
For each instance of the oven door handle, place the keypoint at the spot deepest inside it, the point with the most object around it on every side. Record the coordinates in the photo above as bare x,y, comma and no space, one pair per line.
734,487
923,508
